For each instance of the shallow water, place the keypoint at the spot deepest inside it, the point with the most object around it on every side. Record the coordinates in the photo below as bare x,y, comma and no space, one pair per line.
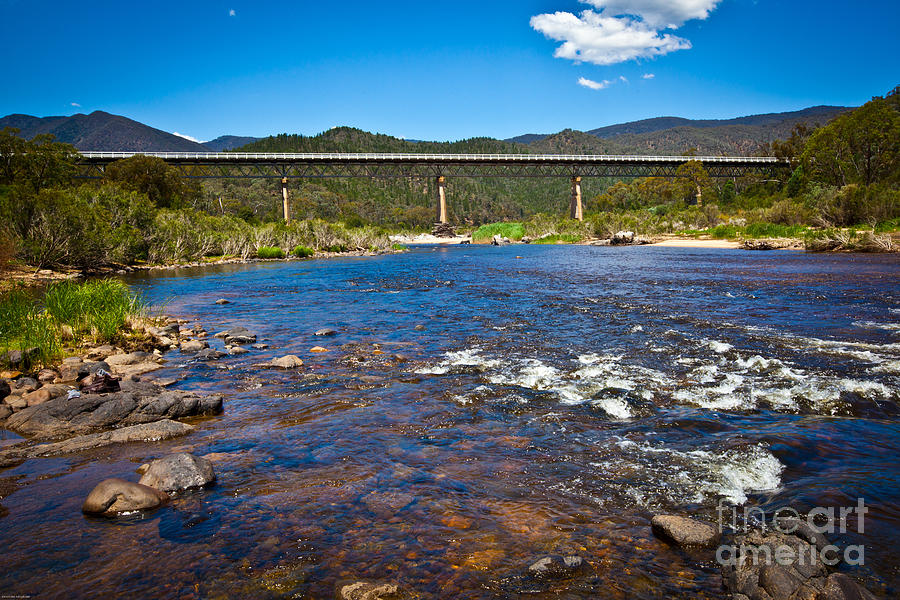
481,407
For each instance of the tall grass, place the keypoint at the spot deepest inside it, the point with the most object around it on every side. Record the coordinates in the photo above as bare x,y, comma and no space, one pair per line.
513,231
269,252
97,311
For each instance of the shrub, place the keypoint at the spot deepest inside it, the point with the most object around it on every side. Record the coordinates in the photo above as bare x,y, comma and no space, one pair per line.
269,252
7,250
302,251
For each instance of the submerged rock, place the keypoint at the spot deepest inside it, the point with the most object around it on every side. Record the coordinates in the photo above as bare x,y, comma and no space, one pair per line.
178,472
684,531
62,417
114,496
362,590
556,567
209,354
325,332
222,301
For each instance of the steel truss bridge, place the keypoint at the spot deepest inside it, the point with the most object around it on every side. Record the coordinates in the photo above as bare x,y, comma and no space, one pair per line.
216,165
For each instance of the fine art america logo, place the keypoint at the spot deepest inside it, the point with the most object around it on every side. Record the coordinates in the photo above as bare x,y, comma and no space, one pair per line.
818,522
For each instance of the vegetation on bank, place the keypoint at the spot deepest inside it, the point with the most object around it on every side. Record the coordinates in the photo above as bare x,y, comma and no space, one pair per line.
39,328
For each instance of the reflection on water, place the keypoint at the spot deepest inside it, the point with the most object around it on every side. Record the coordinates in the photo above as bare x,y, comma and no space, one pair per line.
480,407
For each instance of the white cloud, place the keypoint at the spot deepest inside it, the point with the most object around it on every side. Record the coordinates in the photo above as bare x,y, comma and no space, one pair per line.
659,14
648,76
187,137
623,79
232,13
76,105
594,85
622,30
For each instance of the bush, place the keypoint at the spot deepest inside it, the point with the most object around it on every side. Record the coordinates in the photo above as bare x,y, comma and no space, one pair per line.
302,252
513,231
269,252
7,250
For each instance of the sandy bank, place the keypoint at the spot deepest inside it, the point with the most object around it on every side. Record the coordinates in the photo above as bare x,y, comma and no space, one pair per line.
427,238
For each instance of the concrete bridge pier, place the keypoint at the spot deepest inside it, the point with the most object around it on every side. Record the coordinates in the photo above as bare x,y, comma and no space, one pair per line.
442,200
286,204
576,210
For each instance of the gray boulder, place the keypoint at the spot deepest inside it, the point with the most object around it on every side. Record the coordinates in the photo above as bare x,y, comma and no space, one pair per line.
684,531
178,472
62,417
114,496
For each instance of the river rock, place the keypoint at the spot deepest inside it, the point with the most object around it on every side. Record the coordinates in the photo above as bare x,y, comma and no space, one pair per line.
222,301
62,417
209,354
37,397
193,346
318,349
114,496
15,402
5,410
4,389
556,567
325,332
622,238
684,531
362,590
287,362
177,472
237,351
47,375
148,432
25,385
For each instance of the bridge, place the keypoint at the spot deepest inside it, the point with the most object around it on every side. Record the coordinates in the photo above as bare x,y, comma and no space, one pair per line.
437,166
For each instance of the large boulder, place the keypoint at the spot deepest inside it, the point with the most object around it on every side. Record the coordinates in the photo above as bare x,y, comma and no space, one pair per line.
177,472
684,531
147,432
114,496
62,417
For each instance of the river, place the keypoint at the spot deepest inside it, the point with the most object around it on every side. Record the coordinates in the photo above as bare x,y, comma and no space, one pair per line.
481,407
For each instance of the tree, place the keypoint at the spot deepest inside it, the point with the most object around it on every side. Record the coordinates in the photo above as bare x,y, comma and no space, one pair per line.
152,176
861,147
37,164
694,180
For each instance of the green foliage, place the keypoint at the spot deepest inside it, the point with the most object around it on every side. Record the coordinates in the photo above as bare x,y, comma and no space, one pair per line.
399,247
36,164
153,177
269,252
301,251
861,147
513,231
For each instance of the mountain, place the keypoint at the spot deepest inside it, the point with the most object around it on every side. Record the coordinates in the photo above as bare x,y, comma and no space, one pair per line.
102,131
229,142
675,135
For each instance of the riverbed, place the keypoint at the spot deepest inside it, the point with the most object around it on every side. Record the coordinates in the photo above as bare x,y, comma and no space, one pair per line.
480,407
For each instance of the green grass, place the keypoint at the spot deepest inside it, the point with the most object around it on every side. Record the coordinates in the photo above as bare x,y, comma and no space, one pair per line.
558,238
888,226
399,247
337,248
269,252
513,231
98,311
303,252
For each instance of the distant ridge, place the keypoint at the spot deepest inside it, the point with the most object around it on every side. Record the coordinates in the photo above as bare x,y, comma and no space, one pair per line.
229,142
102,131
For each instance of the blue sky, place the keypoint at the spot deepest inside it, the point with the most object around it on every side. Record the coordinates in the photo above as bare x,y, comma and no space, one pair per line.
441,70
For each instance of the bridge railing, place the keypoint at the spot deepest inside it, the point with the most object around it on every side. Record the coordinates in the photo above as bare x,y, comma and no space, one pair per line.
406,157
